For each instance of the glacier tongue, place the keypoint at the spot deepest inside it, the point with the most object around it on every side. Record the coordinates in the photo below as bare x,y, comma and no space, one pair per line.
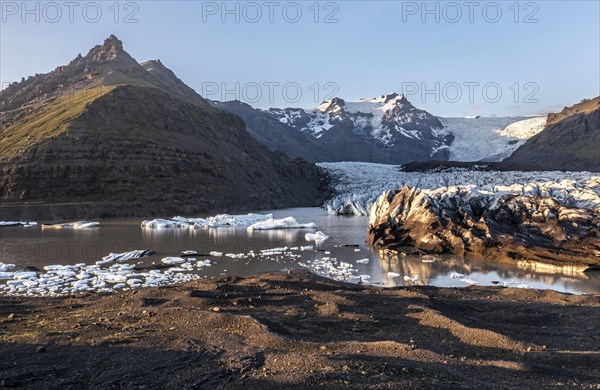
357,185
489,139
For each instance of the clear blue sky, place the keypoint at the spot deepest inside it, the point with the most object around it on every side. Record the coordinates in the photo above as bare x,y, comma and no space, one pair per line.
375,47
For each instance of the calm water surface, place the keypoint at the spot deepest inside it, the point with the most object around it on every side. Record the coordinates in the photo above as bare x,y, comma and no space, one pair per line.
34,246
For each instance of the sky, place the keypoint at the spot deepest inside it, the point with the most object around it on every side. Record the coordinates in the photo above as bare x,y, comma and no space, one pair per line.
500,58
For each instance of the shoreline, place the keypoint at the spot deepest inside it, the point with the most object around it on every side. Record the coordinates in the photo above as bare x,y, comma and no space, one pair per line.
299,330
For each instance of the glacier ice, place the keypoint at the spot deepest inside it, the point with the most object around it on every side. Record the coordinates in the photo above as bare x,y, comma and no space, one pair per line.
357,185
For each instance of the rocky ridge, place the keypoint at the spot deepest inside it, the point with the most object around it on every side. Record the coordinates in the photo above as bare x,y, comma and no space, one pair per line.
570,140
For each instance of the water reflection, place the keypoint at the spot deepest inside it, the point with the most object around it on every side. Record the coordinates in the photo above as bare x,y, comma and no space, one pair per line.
437,270
285,235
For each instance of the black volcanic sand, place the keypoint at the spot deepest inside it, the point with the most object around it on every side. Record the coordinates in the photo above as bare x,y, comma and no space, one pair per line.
297,330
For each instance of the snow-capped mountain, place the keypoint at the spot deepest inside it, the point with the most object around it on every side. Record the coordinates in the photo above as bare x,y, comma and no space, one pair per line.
388,119
387,129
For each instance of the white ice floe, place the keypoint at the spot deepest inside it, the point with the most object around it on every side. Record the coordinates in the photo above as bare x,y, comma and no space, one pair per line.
318,237
173,260
220,220
17,223
357,185
203,263
515,284
120,257
363,261
412,279
456,275
273,251
284,223
61,280
332,268
73,225
393,275
6,275
6,267
469,281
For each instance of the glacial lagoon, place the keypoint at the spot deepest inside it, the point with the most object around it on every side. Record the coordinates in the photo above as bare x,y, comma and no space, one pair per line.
239,252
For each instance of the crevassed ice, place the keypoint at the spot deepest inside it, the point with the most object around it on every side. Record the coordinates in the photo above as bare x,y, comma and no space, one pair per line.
357,185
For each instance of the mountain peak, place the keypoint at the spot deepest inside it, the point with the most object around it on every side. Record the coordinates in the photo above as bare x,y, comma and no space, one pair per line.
113,42
110,51
335,104
393,96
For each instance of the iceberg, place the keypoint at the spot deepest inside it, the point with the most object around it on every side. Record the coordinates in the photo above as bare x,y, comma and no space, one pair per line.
220,220
284,223
17,223
318,237
173,260
73,225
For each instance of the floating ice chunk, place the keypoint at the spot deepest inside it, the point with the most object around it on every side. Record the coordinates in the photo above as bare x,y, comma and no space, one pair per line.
113,278
216,254
273,251
393,275
284,223
456,275
189,252
221,220
164,224
412,279
124,256
119,286
515,284
17,223
24,275
363,261
318,237
173,260
134,281
73,225
469,281
6,267
203,263
6,275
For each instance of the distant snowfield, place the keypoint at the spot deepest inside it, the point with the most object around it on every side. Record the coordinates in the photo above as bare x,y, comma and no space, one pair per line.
489,139
357,185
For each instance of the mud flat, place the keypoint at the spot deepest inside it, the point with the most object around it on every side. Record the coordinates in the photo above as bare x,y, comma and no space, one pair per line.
298,330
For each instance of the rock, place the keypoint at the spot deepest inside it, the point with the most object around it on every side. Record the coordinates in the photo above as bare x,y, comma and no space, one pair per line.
497,226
